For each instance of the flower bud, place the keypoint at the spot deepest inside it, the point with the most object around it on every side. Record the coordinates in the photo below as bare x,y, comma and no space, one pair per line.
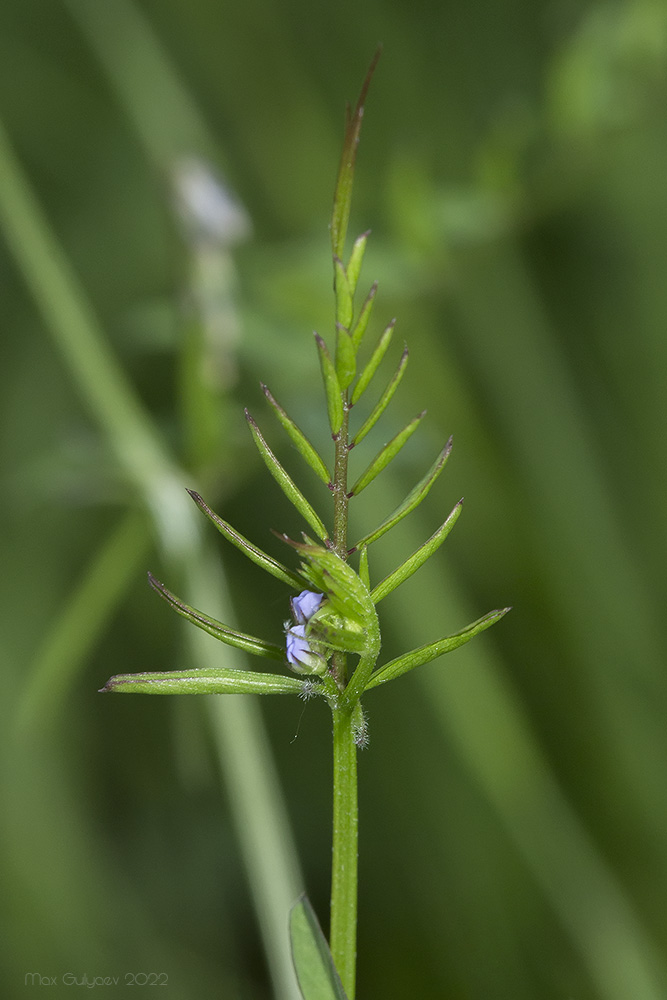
300,656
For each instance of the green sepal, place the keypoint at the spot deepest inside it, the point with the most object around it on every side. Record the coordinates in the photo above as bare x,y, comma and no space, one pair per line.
360,326
343,193
313,963
287,485
331,387
255,555
383,402
346,357
214,680
374,363
346,593
417,559
336,632
215,628
344,306
386,454
390,671
412,500
299,439
364,571
353,268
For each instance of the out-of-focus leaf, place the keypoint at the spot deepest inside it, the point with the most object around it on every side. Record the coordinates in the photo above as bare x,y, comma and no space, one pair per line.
256,555
204,681
390,671
301,442
287,485
374,363
215,628
315,969
384,457
384,400
418,558
412,500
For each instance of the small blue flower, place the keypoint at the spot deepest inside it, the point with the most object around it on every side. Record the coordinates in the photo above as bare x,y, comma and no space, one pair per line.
305,605
300,656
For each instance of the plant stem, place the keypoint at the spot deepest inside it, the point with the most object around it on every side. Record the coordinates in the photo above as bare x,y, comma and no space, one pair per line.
340,496
343,930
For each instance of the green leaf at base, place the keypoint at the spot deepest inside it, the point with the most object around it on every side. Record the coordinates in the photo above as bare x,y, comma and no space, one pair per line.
390,671
313,964
206,681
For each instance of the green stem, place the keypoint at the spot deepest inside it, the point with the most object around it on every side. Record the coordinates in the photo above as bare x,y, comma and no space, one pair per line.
343,931
341,499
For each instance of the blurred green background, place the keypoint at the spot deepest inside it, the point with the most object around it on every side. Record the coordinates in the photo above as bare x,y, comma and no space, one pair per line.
514,795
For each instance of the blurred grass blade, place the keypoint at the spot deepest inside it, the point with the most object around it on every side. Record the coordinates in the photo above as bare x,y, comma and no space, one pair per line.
417,559
256,555
315,969
412,500
79,626
344,307
215,628
70,320
215,680
384,400
289,488
386,454
425,654
353,269
374,363
346,357
299,439
331,386
359,328
343,192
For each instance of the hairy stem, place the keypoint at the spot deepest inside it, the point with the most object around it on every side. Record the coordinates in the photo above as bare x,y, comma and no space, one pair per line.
343,931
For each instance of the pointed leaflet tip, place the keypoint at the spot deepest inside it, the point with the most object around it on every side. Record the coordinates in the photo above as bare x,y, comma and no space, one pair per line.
417,559
255,555
412,500
386,396
299,439
364,315
386,454
432,650
287,485
217,629
369,371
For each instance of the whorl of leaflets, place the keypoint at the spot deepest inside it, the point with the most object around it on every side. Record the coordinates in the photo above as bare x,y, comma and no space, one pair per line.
334,607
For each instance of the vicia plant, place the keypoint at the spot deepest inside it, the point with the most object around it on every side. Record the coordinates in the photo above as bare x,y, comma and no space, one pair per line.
332,645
